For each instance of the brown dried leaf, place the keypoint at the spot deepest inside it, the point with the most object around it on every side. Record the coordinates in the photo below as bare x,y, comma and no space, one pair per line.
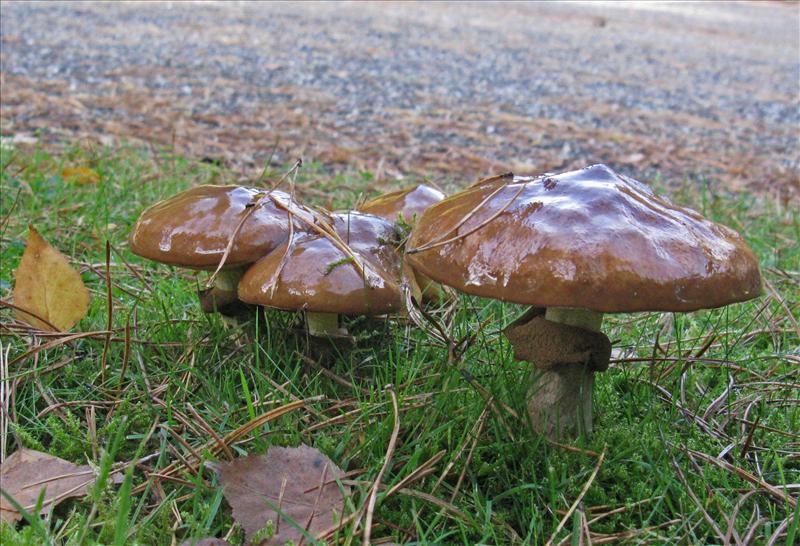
48,287
311,498
80,175
26,472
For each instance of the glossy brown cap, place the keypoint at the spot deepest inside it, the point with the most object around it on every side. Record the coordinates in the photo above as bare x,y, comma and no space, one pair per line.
406,203
313,274
589,239
192,229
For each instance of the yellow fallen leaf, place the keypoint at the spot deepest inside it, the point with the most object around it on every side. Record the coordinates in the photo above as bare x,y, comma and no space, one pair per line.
80,175
47,286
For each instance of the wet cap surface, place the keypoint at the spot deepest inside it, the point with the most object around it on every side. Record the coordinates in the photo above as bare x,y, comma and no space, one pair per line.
192,228
407,203
318,276
589,239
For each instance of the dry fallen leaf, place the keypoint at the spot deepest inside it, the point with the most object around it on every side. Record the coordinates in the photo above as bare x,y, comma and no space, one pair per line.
80,175
26,472
47,286
298,482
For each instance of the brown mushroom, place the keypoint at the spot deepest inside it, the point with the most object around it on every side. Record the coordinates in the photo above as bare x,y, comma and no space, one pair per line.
407,203
353,272
579,244
406,206
193,228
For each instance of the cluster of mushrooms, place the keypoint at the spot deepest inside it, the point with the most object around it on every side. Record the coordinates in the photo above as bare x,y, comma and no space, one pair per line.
573,246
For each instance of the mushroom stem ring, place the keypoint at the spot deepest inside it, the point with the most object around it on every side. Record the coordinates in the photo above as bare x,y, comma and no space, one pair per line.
566,348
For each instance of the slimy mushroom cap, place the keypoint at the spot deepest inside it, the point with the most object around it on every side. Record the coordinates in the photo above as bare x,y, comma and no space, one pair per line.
406,203
193,228
312,273
591,239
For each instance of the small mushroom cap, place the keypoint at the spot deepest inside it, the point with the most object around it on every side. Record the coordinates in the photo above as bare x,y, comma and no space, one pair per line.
589,239
313,274
192,229
406,203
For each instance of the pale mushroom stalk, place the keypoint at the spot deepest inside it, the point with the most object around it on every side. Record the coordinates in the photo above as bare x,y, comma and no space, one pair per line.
228,279
222,294
431,290
560,399
322,324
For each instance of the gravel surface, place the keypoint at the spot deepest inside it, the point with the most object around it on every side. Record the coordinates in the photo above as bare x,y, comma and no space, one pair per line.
444,90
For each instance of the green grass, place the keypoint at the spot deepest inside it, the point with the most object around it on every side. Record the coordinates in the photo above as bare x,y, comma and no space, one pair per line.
505,486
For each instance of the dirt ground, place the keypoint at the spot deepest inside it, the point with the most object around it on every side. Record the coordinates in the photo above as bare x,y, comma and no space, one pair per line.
448,91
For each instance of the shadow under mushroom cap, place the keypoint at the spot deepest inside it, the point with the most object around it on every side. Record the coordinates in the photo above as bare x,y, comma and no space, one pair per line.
590,239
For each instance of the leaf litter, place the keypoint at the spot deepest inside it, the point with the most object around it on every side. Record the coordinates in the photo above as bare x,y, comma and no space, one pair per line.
287,495
27,472
81,176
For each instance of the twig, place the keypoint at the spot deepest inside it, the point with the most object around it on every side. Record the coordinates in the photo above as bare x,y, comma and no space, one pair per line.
501,210
4,303
323,228
55,343
212,432
243,430
253,206
782,302
110,321
316,502
477,430
692,495
579,498
420,472
373,495
773,540
329,374
461,449
746,476
279,511
573,449
6,392
748,441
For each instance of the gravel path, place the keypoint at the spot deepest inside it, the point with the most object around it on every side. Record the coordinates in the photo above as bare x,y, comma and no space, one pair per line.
450,90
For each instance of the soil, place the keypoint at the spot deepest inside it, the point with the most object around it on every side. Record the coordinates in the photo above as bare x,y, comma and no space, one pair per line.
708,91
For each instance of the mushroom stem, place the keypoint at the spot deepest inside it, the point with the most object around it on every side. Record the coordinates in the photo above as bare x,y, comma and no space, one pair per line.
322,324
228,279
560,398
431,290
582,318
222,297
